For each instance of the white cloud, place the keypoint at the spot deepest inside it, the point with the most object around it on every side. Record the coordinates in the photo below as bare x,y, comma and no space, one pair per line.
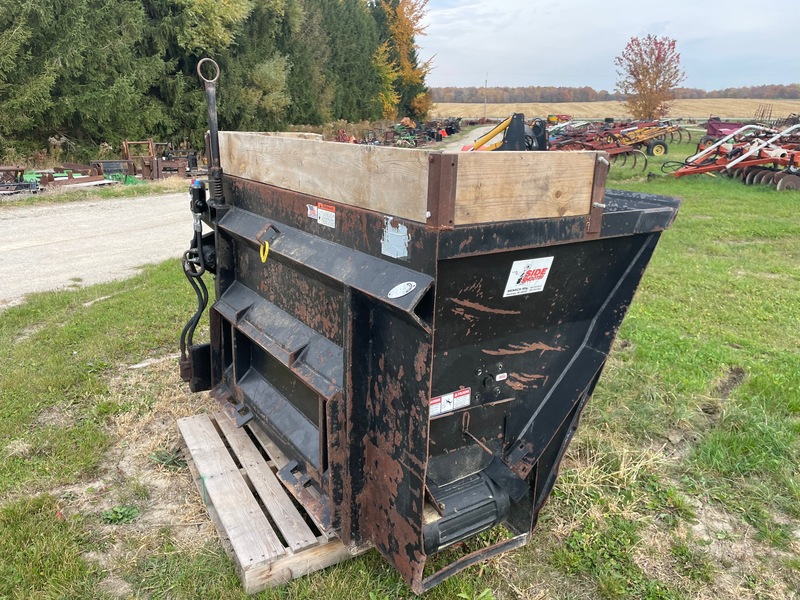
574,42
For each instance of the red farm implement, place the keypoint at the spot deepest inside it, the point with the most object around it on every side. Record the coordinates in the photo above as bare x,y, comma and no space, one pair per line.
754,154
628,144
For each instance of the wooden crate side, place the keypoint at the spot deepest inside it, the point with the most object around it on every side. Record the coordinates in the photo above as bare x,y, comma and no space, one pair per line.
298,135
245,524
393,181
512,186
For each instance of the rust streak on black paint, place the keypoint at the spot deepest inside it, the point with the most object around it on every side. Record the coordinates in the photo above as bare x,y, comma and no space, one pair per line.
482,308
522,349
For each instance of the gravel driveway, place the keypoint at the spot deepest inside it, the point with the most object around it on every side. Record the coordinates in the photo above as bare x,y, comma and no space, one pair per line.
473,136
57,246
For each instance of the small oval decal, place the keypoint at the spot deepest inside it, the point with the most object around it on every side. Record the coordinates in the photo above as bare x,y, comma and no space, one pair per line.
402,289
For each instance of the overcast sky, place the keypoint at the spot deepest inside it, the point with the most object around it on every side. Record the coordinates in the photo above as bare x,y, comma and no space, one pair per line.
574,42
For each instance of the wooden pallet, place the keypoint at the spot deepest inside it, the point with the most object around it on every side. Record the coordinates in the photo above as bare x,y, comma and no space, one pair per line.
265,533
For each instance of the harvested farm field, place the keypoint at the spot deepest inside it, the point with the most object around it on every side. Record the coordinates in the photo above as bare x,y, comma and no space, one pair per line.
723,107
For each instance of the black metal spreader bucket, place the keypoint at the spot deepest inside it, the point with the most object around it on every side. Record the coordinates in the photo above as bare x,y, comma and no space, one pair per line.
417,331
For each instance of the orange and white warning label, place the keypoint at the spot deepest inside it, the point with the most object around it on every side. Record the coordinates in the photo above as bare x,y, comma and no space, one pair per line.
447,403
326,215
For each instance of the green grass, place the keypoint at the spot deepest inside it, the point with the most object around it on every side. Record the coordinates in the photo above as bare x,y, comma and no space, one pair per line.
698,411
56,355
602,551
41,552
724,298
692,562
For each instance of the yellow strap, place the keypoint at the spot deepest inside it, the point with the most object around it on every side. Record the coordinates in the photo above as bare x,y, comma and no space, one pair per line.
264,252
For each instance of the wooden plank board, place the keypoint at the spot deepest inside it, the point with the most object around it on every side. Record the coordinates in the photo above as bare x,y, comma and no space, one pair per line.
292,566
296,532
511,186
212,512
392,181
272,450
281,461
248,529
298,135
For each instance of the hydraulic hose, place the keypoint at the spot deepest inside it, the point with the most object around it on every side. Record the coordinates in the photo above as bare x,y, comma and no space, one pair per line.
194,277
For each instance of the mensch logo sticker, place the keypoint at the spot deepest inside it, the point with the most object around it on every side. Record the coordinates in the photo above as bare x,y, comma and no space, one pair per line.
528,276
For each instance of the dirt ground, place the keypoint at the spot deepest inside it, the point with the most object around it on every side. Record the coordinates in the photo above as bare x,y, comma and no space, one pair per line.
58,246
131,474
462,140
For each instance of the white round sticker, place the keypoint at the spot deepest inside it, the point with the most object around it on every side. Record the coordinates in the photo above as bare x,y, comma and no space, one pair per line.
401,290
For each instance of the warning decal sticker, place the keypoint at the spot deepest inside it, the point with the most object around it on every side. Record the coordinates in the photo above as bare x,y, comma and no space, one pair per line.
326,215
449,402
528,276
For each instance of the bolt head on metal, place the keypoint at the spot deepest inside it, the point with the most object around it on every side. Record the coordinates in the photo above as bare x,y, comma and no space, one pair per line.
428,215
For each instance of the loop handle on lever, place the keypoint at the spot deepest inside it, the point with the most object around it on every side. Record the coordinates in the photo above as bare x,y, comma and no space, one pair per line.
213,64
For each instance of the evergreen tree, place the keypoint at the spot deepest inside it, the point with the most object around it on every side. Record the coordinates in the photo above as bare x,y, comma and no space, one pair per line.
353,39
73,69
126,69
307,48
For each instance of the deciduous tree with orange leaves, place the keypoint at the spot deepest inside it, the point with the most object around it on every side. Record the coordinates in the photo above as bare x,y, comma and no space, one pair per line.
649,70
401,21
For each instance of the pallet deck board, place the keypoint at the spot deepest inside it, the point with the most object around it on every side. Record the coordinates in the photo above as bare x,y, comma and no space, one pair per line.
212,443
245,524
296,532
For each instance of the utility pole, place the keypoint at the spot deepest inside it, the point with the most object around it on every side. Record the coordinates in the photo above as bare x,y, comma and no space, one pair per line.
485,86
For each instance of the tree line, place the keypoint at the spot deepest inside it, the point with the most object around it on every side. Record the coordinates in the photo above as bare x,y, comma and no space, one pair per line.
587,94
100,72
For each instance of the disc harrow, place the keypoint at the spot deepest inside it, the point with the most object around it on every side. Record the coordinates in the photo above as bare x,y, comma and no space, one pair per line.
753,154
628,143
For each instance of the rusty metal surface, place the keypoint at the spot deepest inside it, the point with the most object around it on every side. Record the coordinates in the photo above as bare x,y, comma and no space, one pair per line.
386,415
442,177
356,228
423,585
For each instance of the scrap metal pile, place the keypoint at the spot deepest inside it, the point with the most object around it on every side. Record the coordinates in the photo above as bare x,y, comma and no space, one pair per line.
159,160
404,134
753,154
627,143
14,179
